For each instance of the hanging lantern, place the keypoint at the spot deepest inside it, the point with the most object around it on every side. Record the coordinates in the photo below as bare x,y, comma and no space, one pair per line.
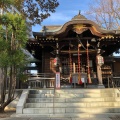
79,45
100,60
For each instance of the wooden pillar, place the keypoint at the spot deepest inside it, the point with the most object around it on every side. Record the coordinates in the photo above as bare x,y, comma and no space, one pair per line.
57,56
43,60
74,69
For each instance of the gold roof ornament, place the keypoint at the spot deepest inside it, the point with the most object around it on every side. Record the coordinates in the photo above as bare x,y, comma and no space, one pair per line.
102,37
56,38
50,37
79,17
109,36
80,28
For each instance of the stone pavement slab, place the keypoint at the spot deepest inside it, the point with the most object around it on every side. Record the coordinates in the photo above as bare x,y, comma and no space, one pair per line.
15,118
36,118
50,118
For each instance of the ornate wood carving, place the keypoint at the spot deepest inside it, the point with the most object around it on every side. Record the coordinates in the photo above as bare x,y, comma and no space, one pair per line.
79,28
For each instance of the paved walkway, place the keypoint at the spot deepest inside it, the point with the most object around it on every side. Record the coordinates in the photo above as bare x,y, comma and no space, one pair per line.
37,118
14,116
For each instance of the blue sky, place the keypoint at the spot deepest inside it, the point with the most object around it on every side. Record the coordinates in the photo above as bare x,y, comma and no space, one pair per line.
65,12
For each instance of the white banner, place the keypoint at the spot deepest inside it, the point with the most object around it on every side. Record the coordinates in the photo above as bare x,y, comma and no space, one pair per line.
57,80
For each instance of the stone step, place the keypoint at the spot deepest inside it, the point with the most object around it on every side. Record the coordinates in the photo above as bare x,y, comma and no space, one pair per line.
75,116
64,91
40,95
71,110
70,95
51,91
69,101
74,105
101,99
73,91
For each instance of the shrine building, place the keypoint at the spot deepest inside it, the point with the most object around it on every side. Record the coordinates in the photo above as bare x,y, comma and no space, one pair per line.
80,52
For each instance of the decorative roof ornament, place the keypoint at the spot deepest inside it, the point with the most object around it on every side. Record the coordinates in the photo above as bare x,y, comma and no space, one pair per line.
79,12
79,17
79,28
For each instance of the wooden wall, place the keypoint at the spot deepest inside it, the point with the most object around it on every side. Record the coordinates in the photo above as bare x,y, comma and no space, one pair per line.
49,64
117,67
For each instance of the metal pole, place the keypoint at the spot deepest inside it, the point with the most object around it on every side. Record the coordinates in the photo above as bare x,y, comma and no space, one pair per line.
108,82
44,81
57,70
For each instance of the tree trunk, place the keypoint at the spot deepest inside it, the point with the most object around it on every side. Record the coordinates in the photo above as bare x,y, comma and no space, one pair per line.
3,102
2,109
2,88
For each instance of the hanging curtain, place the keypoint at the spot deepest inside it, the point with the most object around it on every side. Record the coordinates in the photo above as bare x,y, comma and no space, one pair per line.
70,63
79,74
88,64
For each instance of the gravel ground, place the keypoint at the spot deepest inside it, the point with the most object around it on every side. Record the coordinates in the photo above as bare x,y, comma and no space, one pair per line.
6,114
115,118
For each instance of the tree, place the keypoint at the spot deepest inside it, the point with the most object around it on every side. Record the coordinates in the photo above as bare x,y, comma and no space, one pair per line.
4,4
36,10
12,39
106,13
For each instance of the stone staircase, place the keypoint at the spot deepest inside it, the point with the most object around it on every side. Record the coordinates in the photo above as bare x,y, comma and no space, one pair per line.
75,103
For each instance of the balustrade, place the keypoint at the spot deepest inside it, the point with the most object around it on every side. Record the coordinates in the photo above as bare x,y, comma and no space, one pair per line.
41,80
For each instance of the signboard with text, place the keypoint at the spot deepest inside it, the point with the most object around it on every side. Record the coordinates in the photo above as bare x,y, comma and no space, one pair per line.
57,80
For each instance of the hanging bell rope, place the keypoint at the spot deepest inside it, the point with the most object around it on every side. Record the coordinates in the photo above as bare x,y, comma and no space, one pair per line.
88,64
79,66
81,42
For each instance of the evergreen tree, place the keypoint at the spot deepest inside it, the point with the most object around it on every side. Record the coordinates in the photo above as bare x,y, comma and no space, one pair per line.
12,40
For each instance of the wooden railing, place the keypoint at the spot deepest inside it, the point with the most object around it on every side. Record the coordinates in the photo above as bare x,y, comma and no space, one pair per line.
114,82
41,80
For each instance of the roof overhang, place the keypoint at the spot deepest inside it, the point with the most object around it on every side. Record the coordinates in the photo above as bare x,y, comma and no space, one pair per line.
78,26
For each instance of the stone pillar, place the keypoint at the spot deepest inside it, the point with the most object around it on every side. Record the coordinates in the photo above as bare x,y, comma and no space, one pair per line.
99,71
99,74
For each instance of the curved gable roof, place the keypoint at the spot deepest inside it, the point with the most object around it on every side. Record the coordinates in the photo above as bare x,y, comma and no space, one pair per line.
81,23
80,20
